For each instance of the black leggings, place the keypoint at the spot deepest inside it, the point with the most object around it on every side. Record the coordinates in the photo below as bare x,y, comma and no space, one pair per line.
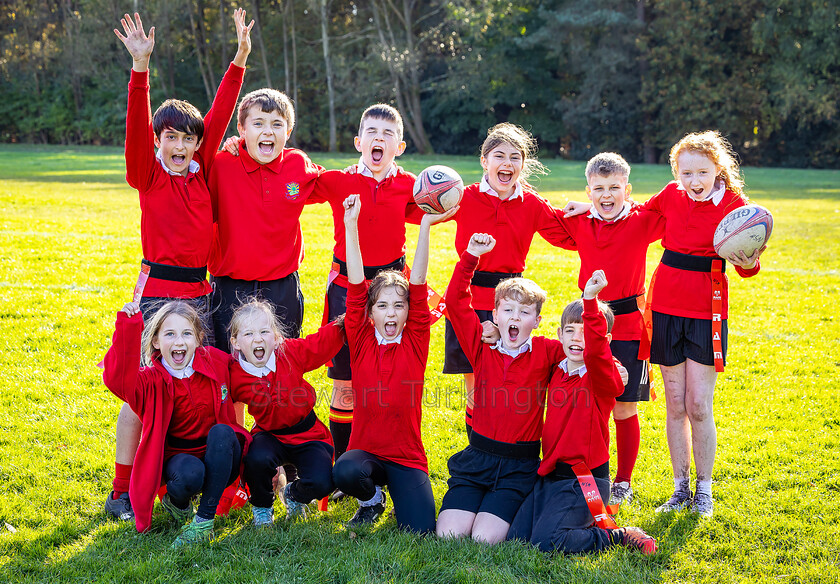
312,459
358,473
186,475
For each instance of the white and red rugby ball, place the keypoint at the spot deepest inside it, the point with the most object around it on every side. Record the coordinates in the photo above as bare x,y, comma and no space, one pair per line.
438,189
746,229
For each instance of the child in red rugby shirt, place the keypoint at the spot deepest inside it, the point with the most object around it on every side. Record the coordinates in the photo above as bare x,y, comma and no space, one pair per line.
191,441
268,377
708,186
177,223
493,475
504,205
581,395
614,236
259,188
387,202
388,328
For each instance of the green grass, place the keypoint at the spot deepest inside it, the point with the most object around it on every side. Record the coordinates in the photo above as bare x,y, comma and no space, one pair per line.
69,255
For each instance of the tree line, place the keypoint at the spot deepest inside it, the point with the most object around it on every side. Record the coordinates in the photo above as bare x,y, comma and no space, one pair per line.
583,76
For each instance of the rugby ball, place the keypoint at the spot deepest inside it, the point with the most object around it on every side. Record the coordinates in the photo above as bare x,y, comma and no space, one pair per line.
438,189
746,229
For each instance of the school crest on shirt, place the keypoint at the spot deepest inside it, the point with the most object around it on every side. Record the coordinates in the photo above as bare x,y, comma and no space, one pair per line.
292,191
224,392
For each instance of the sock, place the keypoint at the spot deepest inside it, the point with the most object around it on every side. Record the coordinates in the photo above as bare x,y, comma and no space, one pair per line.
377,498
122,478
341,422
627,437
682,485
704,487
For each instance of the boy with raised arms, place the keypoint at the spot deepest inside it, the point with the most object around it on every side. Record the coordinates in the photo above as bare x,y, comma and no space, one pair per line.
556,516
176,225
493,475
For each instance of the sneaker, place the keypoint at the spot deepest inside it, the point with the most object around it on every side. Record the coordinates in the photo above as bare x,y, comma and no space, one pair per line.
263,516
635,538
294,509
368,514
119,508
678,501
181,516
194,532
620,493
703,505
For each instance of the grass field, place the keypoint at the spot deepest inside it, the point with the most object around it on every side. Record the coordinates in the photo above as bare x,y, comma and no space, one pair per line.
70,248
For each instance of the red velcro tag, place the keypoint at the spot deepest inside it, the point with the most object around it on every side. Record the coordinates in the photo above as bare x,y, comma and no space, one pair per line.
437,306
717,313
593,497
141,282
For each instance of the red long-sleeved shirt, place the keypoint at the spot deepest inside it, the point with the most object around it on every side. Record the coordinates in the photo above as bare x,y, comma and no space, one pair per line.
509,392
388,380
386,206
578,407
176,224
690,228
257,208
283,398
620,249
513,223
150,393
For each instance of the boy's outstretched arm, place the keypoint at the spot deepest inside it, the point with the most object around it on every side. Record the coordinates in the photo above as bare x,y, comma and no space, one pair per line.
420,265
139,45
355,267
243,36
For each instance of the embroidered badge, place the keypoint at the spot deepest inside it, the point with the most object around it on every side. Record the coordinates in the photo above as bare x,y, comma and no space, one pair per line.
224,392
292,191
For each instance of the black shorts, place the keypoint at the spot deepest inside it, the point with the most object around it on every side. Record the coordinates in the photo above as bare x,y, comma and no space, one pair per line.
336,306
480,482
454,360
284,293
638,383
677,338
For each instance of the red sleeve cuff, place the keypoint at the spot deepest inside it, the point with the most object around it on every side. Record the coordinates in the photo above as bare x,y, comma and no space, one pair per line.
139,79
469,261
590,306
236,72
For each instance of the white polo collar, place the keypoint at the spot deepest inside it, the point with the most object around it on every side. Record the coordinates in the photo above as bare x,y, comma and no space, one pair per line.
383,341
269,367
593,213
716,195
194,166
179,373
523,348
485,187
580,372
363,169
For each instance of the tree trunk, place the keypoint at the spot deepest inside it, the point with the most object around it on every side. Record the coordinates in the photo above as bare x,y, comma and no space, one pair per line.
208,90
648,150
286,79
325,43
259,34
222,36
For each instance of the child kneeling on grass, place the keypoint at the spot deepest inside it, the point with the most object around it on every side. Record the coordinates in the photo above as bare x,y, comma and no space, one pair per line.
191,441
581,395
268,376
388,329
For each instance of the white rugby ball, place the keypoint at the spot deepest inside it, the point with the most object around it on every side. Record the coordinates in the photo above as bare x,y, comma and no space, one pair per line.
745,229
438,189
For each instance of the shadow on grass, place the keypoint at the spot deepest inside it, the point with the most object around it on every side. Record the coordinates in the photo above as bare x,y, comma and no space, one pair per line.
320,550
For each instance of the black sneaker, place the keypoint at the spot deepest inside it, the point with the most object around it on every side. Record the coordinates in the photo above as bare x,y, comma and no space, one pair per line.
368,514
119,508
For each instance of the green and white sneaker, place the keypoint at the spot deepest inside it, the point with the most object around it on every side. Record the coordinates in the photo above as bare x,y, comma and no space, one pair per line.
194,532
181,516
678,501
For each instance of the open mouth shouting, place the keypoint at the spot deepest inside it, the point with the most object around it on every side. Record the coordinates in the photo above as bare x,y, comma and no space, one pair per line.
505,177
574,351
179,356
266,147
259,353
513,333
390,328
178,159
376,154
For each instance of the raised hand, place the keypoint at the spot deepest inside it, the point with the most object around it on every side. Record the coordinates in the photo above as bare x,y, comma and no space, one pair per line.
480,244
352,208
139,44
243,37
131,308
596,283
435,218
